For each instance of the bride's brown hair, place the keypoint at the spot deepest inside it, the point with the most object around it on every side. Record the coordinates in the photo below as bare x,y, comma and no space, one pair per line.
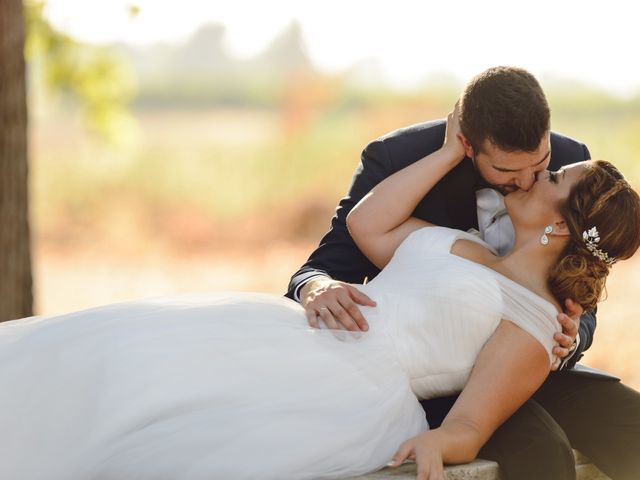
603,199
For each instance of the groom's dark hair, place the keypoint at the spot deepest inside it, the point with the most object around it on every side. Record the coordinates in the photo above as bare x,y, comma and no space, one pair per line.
506,106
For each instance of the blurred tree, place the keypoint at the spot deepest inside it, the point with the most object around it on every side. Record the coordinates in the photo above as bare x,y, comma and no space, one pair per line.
16,299
98,78
203,72
286,54
205,53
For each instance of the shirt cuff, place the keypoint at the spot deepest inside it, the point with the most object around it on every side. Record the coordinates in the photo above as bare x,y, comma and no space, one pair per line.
564,362
302,280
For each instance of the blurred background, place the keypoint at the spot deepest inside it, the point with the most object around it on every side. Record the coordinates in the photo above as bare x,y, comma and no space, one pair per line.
201,146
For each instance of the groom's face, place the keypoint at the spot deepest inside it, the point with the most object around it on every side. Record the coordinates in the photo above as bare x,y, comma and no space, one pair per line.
511,171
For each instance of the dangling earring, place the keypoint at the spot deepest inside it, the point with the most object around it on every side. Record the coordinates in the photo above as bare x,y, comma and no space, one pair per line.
544,240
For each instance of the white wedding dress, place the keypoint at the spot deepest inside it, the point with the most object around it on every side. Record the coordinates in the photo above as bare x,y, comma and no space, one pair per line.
236,386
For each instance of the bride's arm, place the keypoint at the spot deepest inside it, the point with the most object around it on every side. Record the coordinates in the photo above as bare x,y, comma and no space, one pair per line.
382,219
509,369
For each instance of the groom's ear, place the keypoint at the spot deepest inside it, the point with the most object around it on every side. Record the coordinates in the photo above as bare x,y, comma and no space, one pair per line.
468,149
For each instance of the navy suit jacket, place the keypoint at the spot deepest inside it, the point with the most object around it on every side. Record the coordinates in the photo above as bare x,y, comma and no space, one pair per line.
451,203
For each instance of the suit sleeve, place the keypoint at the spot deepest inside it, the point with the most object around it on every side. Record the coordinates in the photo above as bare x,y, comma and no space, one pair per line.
586,331
337,256
585,152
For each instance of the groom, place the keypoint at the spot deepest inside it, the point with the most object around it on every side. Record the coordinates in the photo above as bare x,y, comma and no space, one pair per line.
504,119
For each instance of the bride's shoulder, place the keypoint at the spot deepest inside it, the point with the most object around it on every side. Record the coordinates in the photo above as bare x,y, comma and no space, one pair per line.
472,247
472,250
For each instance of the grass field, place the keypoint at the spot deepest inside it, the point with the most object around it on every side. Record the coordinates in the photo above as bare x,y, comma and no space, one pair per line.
235,200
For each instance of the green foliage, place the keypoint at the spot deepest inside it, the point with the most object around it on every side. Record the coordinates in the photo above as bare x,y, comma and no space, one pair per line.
134,10
97,78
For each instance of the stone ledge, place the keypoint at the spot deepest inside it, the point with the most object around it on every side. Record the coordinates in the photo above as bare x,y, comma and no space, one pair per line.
478,470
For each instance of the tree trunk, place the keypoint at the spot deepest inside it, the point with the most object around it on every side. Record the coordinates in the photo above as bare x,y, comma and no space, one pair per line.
16,298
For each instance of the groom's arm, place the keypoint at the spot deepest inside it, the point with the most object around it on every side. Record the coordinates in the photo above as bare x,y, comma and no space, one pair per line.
337,256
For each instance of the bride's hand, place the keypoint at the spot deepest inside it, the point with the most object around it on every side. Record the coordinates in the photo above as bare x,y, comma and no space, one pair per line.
453,135
426,450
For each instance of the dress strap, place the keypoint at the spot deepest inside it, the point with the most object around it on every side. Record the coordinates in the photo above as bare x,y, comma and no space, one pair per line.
474,237
435,240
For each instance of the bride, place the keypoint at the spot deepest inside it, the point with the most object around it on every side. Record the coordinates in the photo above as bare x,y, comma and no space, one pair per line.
237,386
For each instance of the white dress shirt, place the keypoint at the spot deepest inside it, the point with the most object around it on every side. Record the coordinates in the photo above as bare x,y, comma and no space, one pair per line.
495,225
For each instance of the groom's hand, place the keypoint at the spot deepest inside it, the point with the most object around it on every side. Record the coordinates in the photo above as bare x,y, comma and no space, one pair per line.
335,303
570,321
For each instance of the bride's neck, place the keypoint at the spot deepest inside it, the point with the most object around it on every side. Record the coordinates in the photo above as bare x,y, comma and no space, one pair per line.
528,264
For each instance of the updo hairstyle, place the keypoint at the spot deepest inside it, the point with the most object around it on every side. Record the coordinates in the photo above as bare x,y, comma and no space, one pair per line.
604,200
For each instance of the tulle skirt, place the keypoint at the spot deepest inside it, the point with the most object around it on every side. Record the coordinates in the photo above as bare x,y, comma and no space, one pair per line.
225,386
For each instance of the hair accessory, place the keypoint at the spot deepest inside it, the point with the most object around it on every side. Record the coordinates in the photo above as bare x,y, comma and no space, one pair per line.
591,238
544,240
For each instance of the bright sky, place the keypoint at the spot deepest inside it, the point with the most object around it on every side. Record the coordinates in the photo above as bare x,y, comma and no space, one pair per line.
593,42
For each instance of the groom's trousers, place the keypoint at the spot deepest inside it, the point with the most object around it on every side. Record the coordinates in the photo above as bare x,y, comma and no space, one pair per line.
598,416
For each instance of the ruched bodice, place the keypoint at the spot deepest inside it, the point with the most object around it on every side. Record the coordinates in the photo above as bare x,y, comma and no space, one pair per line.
440,309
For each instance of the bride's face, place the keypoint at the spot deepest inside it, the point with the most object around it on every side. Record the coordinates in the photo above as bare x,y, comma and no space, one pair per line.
540,205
